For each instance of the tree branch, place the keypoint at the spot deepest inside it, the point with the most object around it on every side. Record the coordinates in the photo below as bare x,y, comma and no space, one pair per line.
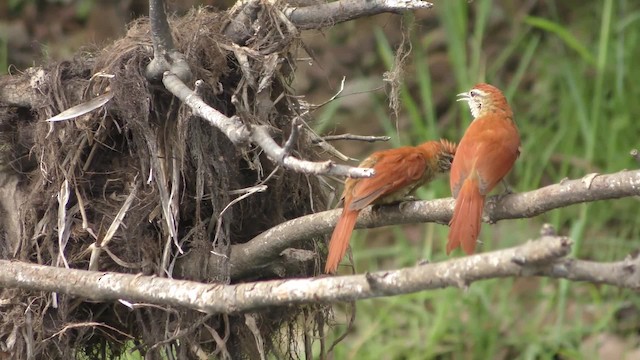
316,16
543,257
257,253
331,13
237,132
348,136
165,56
260,137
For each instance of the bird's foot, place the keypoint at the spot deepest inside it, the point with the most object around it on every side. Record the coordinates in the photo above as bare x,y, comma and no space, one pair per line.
400,204
507,189
404,203
495,200
487,217
409,198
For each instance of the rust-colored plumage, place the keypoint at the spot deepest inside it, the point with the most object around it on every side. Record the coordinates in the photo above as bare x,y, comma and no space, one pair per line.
486,153
398,172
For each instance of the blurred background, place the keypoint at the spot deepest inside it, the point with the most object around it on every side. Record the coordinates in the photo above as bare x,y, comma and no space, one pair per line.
570,71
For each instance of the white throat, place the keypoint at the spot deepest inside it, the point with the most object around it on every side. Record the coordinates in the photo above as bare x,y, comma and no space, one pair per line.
475,107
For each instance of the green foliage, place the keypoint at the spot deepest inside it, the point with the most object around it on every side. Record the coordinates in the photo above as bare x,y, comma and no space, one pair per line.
15,5
129,353
83,8
573,84
4,54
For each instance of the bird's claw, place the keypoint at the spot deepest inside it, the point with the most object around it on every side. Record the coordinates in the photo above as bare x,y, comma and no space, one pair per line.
507,189
488,219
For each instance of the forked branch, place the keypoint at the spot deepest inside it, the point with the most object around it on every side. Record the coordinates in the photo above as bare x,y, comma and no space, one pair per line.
237,132
316,16
265,248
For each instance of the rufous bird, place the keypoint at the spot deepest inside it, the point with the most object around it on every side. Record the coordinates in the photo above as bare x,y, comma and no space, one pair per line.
398,173
486,153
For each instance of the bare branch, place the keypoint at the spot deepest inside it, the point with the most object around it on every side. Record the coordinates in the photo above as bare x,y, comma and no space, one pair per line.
316,16
238,133
251,256
543,257
261,137
293,138
243,14
165,56
24,90
328,14
160,30
232,127
348,136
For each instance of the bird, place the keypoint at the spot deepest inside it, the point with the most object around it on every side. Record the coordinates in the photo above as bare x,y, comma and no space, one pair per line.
398,173
486,153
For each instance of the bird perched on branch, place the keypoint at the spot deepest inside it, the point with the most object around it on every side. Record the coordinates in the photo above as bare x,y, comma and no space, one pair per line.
398,173
486,153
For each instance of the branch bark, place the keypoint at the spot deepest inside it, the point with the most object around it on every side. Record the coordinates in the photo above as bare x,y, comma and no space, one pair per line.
316,16
331,13
165,56
257,253
348,136
543,257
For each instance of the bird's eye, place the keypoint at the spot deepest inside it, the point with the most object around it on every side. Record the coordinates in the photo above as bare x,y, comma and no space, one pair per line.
473,93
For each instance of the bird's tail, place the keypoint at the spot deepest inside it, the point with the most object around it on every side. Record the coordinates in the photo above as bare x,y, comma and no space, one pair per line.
340,239
465,223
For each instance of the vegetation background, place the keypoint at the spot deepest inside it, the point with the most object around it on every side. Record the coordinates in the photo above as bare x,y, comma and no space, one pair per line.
570,71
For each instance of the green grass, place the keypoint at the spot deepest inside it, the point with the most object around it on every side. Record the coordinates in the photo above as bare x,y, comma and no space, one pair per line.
573,84
4,54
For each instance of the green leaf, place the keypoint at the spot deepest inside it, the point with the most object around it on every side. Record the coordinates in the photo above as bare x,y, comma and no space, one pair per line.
561,32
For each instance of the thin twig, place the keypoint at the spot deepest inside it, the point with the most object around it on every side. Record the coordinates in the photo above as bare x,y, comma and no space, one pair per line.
348,136
335,96
250,191
91,324
64,225
293,137
182,333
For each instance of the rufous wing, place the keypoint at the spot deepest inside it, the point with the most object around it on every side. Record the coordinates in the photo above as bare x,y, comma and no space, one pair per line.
395,169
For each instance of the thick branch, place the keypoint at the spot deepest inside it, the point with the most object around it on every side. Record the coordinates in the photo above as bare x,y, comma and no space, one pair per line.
316,16
165,56
541,258
160,30
243,13
238,133
24,90
331,13
260,251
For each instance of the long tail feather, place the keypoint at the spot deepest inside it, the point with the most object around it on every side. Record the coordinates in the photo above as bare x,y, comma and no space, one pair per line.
340,239
467,214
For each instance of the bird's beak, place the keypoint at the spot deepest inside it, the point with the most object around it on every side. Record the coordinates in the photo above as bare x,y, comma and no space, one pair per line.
463,96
